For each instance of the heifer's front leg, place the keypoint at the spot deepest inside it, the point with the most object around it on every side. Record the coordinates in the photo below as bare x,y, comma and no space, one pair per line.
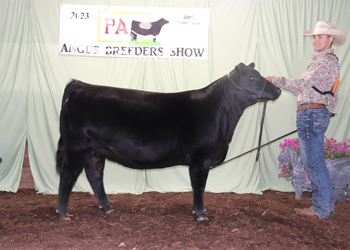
94,172
198,176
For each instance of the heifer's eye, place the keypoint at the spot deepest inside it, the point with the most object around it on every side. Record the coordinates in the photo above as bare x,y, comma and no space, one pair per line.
252,78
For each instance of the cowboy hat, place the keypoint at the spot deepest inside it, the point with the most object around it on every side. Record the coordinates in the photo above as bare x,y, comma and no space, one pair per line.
326,28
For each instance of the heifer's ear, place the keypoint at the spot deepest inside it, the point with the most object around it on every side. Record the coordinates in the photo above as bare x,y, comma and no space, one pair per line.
237,69
252,65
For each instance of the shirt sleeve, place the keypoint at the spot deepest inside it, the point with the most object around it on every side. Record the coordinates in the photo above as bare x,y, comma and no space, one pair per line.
291,85
318,74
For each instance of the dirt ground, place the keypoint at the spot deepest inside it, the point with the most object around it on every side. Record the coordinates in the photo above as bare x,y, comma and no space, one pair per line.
165,221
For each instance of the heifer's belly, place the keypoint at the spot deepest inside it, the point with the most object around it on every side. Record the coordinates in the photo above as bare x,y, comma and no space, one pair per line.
154,156
137,158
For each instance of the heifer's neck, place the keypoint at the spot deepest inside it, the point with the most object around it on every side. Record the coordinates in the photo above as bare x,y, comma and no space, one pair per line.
233,102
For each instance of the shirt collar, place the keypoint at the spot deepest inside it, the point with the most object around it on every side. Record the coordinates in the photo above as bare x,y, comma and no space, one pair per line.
323,52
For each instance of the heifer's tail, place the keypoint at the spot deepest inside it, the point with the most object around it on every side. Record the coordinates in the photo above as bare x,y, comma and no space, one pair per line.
71,86
60,155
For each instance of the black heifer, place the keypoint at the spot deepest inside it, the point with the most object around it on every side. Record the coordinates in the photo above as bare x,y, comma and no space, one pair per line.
146,28
145,130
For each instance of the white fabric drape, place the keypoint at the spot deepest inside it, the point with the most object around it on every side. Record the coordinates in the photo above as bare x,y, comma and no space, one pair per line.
268,32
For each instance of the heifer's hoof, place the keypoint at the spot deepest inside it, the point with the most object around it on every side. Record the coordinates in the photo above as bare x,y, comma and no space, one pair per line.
65,219
297,199
201,218
109,211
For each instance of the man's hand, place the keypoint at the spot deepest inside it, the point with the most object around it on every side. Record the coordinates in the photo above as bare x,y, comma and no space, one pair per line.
269,78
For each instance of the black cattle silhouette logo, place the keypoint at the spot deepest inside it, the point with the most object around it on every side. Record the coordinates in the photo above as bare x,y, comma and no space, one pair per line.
146,29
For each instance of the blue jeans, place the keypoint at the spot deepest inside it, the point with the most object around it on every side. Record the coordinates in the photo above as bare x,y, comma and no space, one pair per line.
312,123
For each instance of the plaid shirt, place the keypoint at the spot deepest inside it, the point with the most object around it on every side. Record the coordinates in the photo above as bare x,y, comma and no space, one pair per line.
321,73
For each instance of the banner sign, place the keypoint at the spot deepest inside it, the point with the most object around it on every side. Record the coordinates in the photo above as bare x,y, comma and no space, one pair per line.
93,30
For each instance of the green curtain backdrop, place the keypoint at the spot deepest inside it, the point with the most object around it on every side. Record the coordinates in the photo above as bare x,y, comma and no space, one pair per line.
268,32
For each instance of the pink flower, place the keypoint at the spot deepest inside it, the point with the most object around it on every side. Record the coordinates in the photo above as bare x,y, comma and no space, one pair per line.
332,150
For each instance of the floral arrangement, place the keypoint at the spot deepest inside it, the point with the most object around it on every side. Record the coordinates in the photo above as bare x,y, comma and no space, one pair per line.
332,150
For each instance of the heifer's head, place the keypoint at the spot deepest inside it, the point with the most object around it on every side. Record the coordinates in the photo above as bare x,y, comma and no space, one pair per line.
162,21
249,81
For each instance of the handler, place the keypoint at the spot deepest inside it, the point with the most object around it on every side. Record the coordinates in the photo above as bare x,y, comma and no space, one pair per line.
316,98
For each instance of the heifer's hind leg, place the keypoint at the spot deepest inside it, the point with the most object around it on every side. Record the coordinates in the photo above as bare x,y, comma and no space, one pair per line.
94,172
198,176
69,173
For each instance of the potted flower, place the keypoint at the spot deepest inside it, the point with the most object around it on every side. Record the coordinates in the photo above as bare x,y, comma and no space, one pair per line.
337,155
332,150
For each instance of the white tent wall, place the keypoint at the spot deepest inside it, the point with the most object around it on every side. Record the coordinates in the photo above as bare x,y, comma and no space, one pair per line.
268,32
14,72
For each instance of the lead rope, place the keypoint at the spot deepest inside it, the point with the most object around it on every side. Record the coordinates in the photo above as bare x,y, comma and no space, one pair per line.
281,137
261,130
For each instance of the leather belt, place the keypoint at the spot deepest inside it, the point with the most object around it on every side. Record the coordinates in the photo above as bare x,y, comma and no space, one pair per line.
313,106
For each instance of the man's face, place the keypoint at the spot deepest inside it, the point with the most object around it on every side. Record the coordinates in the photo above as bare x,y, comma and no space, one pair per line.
321,42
